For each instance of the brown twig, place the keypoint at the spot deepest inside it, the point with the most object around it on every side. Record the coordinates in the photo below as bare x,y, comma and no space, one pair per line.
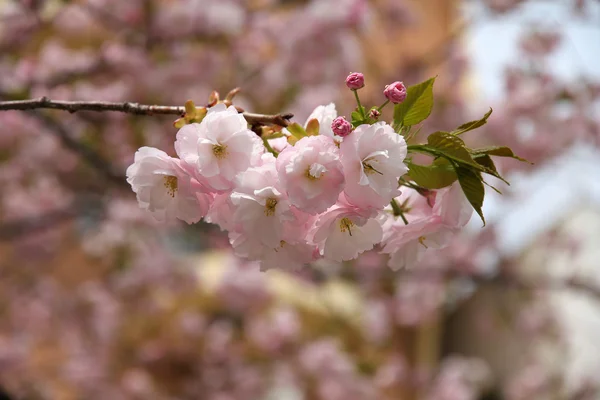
129,108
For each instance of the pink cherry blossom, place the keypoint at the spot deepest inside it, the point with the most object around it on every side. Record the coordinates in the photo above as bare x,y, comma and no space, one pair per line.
260,205
311,173
343,232
164,189
373,161
430,226
219,147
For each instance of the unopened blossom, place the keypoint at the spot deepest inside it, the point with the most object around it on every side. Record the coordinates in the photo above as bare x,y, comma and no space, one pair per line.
341,127
355,81
219,147
342,233
311,173
325,115
164,189
395,92
373,161
260,205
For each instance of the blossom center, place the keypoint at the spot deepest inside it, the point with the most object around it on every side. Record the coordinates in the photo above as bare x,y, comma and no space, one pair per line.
220,151
170,183
315,172
346,225
270,206
368,168
422,241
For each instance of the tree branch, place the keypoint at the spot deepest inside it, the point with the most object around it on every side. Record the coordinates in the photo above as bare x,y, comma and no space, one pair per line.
129,108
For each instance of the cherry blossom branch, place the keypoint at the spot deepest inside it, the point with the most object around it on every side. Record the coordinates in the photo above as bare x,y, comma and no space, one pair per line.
130,108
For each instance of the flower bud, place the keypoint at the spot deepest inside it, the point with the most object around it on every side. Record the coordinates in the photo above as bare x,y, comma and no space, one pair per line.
374,114
395,92
341,127
355,81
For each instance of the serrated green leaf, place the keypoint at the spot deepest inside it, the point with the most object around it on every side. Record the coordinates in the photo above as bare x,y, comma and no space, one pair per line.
488,166
417,106
472,185
469,126
450,146
312,127
486,161
499,151
438,175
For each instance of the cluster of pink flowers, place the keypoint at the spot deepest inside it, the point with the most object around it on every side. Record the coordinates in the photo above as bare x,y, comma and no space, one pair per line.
326,196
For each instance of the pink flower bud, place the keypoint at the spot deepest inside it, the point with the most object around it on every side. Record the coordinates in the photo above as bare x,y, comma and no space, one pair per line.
395,92
355,81
341,127
374,113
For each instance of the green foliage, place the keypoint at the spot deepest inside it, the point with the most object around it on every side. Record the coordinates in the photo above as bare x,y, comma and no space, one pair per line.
469,126
297,133
453,160
438,175
192,115
498,151
417,106
472,185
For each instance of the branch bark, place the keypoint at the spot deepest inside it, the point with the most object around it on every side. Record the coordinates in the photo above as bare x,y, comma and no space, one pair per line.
129,108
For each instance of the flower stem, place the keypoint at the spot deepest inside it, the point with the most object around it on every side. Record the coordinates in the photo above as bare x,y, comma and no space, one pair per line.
383,105
398,211
360,107
269,148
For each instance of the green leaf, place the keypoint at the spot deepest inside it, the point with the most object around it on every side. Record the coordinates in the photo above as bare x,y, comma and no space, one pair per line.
471,183
296,130
485,161
312,127
417,106
469,126
450,146
357,118
499,151
438,175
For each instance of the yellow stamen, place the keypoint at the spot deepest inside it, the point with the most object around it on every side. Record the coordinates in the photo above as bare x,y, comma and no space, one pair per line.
220,151
270,206
170,183
369,169
346,225
422,241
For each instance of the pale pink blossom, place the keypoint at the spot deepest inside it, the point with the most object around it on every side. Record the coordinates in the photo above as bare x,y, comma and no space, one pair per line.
260,205
311,173
164,189
325,115
343,232
373,161
219,147
432,223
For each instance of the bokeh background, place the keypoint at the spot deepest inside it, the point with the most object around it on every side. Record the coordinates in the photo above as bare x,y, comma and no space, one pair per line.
98,301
